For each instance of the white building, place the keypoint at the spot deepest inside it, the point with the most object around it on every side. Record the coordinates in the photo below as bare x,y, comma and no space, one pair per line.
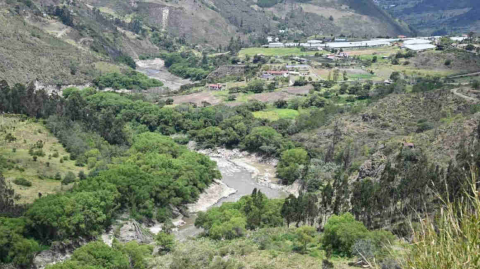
276,45
420,47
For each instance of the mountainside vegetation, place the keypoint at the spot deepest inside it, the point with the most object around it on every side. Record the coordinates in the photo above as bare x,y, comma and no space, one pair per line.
436,17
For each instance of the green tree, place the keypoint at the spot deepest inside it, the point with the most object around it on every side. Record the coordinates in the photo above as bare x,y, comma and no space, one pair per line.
305,235
341,232
291,162
166,241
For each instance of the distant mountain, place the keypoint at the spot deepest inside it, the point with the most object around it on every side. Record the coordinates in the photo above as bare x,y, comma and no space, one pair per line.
436,16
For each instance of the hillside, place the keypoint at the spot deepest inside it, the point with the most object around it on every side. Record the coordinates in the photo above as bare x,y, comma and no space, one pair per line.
436,17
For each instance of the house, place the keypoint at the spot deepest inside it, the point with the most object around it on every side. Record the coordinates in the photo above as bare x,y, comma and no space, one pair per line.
341,40
215,87
402,36
276,45
343,55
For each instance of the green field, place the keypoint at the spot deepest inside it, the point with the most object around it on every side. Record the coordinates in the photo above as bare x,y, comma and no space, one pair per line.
40,172
276,114
276,52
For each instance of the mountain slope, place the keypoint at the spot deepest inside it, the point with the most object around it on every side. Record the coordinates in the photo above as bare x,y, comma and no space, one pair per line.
216,21
437,16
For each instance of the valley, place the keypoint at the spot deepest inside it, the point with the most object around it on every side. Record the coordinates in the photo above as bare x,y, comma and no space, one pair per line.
244,134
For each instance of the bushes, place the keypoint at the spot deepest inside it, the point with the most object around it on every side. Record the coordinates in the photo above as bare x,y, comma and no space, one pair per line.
69,178
132,80
22,182
231,220
341,232
291,162
14,247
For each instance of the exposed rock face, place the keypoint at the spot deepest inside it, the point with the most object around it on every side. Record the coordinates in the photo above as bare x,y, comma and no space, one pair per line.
227,70
372,168
58,252
216,191
132,231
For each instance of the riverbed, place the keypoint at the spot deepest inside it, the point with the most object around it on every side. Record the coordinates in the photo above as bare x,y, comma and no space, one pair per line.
156,69
242,172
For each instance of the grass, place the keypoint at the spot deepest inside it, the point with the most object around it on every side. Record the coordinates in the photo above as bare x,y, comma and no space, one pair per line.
105,67
275,52
37,172
276,114
450,239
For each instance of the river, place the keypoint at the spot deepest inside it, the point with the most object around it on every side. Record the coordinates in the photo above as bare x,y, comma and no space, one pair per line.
156,69
243,173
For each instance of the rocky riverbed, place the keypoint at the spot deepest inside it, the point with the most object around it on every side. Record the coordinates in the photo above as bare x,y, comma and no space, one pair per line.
156,69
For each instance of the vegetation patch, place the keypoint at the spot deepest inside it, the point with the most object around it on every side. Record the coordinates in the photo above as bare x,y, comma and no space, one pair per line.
276,114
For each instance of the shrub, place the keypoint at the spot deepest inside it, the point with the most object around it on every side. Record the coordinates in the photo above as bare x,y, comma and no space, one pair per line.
81,175
341,233
165,241
22,182
58,176
448,62
69,178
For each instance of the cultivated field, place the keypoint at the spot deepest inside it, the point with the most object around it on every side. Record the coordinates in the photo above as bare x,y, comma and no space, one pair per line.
40,172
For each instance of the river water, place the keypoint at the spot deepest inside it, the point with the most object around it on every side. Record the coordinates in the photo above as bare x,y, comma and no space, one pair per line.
236,176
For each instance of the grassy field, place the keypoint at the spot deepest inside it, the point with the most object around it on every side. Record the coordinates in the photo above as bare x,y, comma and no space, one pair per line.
38,172
275,52
276,114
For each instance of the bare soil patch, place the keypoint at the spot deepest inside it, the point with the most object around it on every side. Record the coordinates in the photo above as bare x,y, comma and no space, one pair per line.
271,96
197,98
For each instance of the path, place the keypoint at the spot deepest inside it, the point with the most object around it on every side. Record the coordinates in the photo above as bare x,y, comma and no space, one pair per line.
468,98
466,75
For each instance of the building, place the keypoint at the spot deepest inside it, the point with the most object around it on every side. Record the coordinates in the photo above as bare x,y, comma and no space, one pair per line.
420,47
402,36
276,45
341,40
215,87
343,55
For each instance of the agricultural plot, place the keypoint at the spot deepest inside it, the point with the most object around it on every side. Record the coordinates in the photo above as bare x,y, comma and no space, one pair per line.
17,138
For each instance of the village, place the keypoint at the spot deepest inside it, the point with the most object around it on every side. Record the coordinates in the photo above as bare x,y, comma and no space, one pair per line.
341,60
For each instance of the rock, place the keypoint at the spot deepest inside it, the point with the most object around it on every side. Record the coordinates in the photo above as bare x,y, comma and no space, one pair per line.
372,168
132,231
58,252
216,191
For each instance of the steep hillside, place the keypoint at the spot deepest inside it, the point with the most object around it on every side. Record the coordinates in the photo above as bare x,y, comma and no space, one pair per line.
216,21
436,16
63,44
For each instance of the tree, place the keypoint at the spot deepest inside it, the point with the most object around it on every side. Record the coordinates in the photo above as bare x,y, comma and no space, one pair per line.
81,175
336,74
166,241
290,164
69,178
256,86
305,235
341,232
